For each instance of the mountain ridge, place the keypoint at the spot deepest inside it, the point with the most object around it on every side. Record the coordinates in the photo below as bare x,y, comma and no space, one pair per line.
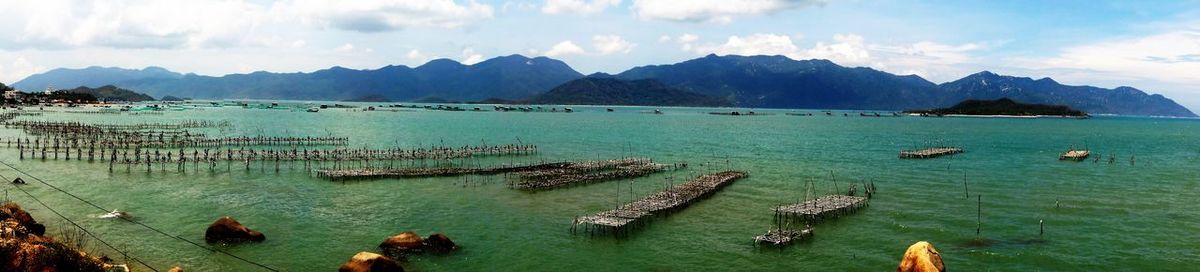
748,81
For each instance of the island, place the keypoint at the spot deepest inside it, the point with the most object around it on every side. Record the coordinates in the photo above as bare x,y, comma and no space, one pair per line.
1003,107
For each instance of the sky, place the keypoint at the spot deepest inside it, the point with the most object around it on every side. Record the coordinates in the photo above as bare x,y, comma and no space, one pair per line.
1151,45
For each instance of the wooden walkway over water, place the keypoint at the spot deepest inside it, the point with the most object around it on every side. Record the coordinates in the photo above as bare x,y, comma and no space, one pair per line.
673,199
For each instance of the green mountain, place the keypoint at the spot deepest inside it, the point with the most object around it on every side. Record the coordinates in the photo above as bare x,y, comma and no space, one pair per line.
780,82
1003,106
94,76
1121,100
746,81
510,77
112,93
611,91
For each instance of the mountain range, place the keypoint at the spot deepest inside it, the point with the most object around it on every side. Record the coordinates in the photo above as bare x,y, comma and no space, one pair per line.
745,81
596,90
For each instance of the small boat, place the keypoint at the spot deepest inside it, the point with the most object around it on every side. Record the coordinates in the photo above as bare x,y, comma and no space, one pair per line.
116,214
313,109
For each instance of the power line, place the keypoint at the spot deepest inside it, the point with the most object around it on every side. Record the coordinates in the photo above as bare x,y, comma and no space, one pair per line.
89,233
132,221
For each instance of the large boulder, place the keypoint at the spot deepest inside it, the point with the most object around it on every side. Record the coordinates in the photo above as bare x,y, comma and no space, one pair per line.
405,242
227,230
439,243
13,211
921,257
370,262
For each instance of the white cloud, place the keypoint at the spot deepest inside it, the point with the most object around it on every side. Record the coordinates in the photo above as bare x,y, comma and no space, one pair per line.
299,43
925,58
718,11
129,24
469,57
754,44
664,38
17,68
415,55
686,41
610,44
845,49
347,47
564,48
383,15
584,7
1172,56
687,38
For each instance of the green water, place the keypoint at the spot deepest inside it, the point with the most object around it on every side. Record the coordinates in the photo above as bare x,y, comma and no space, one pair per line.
1142,216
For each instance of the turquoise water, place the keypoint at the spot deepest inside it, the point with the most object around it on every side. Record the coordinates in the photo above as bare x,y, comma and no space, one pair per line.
1138,217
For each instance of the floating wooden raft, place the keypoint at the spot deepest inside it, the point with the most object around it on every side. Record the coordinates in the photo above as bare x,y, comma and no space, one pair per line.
829,206
929,152
782,237
376,173
1074,155
587,172
673,199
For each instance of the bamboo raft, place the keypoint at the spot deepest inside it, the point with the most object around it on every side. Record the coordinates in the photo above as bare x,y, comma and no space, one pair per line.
175,139
830,206
586,172
339,158
929,152
377,173
1074,155
672,199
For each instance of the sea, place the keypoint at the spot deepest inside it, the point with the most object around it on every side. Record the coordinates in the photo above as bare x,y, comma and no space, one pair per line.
1006,204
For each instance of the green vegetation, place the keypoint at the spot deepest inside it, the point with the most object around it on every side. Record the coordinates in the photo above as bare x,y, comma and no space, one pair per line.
1003,106
611,91
112,93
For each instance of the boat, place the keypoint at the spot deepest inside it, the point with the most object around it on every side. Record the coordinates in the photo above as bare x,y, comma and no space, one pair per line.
116,214
313,109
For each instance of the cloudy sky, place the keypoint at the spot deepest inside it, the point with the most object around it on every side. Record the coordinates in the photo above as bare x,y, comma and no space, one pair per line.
1151,45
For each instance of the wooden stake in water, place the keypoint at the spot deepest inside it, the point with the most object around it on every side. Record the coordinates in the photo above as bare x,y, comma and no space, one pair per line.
966,191
978,215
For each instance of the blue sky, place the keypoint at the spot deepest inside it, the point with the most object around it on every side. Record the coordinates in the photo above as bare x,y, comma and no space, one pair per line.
1152,45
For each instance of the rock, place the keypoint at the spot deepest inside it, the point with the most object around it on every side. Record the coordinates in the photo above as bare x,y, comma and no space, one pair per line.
405,242
370,262
440,243
921,257
13,211
230,231
176,269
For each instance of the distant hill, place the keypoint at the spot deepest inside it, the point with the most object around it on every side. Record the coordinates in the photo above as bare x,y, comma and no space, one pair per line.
509,77
1122,100
780,82
746,81
1004,106
369,98
611,91
112,93
91,77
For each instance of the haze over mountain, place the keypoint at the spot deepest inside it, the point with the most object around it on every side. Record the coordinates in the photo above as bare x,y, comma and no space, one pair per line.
747,81
600,90
509,77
